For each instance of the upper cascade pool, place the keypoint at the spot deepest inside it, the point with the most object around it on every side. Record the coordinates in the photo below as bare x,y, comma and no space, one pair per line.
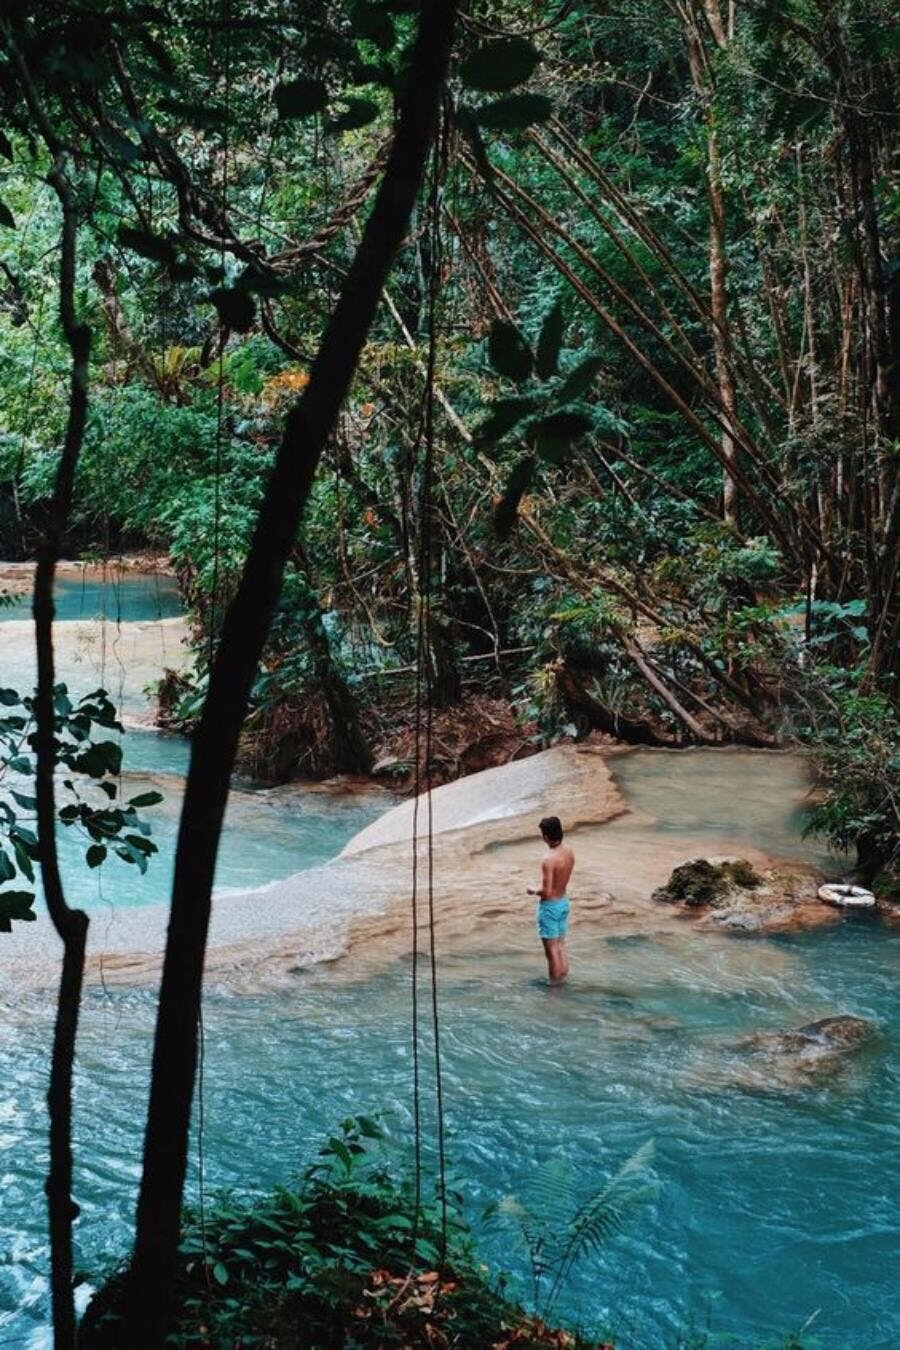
94,591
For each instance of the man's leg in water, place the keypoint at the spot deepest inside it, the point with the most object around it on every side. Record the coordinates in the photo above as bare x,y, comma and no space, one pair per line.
563,956
554,963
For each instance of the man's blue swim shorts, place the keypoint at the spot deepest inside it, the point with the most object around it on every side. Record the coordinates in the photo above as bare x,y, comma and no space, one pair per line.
552,918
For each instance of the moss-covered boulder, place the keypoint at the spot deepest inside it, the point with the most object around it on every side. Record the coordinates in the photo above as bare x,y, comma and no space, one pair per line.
702,882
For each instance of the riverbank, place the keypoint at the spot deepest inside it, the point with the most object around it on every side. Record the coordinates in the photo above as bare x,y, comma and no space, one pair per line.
628,831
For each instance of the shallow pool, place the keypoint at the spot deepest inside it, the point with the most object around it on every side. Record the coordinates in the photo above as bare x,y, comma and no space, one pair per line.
112,593
776,1207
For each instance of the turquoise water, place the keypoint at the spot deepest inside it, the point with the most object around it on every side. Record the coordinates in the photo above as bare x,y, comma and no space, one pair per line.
119,595
268,833
779,1195
774,1205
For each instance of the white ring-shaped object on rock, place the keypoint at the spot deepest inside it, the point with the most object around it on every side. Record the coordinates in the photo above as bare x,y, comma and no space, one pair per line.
846,896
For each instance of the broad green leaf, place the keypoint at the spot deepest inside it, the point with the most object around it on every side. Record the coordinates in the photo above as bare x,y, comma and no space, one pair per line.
220,1273
508,351
502,416
146,799
9,698
7,870
95,855
515,112
554,435
359,113
26,866
549,343
300,98
499,64
17,905
6,217
341,1151
236,308
27,803
370,21
21,764
507,510
579,380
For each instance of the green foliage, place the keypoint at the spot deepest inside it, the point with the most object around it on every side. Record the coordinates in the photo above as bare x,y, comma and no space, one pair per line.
558,1226
344,1257
88,808
854,735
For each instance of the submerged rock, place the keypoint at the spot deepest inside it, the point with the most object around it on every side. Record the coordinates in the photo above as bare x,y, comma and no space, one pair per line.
825,1053
827,1037
801,1055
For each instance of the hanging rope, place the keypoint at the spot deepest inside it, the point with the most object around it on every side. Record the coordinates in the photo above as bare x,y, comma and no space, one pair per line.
424,722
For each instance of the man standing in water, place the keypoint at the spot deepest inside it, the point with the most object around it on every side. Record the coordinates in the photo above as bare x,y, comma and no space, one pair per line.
553,905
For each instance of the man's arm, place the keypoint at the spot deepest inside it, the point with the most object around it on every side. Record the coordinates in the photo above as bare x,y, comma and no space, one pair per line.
546,881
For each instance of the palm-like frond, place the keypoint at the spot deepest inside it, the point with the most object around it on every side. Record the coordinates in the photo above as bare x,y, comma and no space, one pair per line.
557,1230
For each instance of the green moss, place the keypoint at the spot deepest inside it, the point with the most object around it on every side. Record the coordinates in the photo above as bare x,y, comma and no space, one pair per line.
703,883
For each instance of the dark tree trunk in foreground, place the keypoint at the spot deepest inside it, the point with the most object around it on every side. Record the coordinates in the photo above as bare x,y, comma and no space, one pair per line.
247,622
70,924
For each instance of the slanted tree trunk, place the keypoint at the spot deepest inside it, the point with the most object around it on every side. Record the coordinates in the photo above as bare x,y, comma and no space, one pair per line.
718,256
150,1292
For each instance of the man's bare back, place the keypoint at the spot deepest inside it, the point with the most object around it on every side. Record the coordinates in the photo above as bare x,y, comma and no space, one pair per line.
556,868
553,903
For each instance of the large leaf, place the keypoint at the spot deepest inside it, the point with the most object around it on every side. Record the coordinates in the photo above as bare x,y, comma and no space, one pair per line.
579,380
502,416
236,308
359,112
16,905
117,145
549,343
300,98
508,351
500,64
507,509
370,21
6,149
515,112
555,434
6,217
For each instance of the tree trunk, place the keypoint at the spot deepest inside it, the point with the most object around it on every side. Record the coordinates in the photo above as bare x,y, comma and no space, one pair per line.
150,1294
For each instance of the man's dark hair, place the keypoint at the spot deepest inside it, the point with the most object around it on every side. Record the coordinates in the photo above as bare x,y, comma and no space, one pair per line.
551,829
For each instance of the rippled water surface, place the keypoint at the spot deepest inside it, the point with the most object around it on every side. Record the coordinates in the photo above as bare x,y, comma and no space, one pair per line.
774,1204
779,1195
